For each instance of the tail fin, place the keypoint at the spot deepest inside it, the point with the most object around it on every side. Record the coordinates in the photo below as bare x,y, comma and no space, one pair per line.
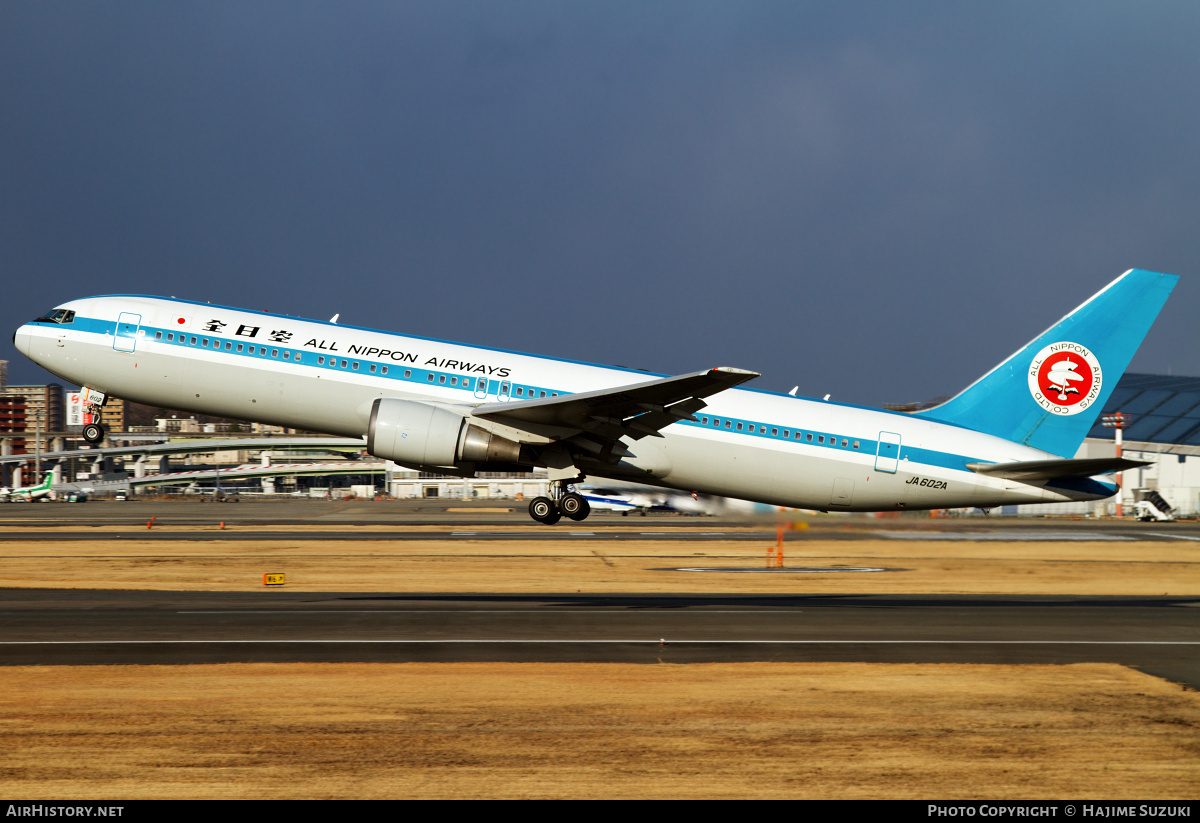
1049,393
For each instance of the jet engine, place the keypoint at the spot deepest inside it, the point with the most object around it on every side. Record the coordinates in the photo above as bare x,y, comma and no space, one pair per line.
414,433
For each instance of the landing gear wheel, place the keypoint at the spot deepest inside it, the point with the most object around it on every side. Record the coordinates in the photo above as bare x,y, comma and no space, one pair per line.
574,506
93,433
543,510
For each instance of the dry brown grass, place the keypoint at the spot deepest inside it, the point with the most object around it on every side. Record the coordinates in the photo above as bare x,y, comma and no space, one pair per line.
580,564
816,730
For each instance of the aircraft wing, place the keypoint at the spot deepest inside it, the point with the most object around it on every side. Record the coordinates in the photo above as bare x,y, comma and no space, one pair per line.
1036,470
636,411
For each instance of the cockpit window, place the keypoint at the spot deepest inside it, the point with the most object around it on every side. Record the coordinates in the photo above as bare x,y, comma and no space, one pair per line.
57,316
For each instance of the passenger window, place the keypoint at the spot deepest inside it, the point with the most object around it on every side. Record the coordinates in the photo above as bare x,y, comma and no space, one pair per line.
229,347
453,381
193,341
372,368
343,364
820,438
320,361
158,335
408,373
775,433
287,355
297,355
385,369
844,443
728,424
355,365
239,347
807,437
274,352
430,377
520,391
170,337
739,427
204,341
441,378
856,444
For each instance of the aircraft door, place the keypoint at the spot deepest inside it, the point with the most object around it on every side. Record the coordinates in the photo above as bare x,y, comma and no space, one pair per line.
127,332
887,456
505,391
481,388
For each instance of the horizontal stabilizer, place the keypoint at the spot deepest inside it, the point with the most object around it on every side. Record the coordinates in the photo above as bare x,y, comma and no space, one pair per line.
1037,470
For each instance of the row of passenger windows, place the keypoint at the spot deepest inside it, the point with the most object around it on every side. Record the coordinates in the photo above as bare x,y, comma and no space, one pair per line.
262,351
333,363
788,434
353,365
480,384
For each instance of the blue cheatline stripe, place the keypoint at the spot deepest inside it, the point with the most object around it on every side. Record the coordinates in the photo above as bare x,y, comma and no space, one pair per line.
404,373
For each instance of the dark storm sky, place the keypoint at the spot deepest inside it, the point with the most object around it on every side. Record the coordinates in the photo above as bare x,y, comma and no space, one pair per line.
875,200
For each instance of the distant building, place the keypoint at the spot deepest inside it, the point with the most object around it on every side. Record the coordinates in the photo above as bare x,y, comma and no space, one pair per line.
44,409
12,424
185,425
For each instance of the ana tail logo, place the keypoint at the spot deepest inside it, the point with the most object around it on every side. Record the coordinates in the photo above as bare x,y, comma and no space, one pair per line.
1065,378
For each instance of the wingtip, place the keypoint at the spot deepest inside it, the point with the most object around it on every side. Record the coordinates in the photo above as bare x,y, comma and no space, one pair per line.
749,375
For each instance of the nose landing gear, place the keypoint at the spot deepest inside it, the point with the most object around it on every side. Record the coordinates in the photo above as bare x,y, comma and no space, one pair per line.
93,403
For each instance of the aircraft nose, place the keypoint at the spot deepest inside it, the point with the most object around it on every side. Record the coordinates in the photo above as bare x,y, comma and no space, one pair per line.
21,340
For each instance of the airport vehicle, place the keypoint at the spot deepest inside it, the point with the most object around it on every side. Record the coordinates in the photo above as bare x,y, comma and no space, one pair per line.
452,408
1153,506
28,492
638,498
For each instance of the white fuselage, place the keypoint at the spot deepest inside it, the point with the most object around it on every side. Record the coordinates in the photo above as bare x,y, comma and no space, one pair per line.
749,444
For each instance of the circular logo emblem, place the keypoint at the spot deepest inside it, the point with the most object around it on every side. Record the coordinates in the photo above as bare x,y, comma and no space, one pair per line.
1065,378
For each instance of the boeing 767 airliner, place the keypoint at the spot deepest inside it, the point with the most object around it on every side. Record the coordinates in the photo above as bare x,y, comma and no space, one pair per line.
458,409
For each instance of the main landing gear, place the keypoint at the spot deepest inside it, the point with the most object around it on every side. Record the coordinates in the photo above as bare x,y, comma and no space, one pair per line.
569,504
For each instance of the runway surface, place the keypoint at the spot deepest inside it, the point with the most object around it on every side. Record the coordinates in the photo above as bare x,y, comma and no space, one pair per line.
1160,636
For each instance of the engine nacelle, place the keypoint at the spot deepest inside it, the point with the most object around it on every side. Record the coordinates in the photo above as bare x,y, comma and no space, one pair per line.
414,433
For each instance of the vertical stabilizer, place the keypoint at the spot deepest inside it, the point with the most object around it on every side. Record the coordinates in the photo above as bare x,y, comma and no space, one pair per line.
1049,393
